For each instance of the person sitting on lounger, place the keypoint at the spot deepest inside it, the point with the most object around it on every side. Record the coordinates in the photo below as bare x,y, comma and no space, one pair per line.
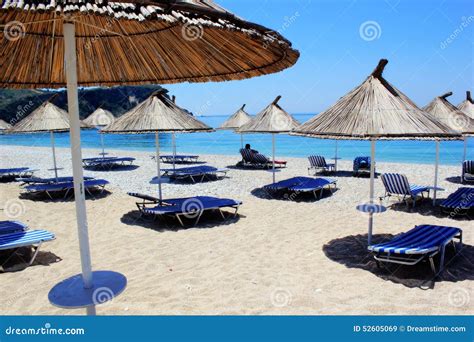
247,147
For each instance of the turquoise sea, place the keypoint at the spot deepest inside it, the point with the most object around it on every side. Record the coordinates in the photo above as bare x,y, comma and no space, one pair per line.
228,143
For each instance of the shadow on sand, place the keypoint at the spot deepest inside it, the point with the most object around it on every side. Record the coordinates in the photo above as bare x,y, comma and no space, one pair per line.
19,261
425,208
209,219
351,251
262,193
59,196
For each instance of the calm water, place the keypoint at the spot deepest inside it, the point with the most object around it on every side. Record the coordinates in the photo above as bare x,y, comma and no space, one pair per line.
228,143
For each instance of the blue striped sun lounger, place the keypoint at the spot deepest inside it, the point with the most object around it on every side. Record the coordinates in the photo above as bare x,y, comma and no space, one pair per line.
303,185
179,159
318,164
361,165
258,160
8,227
397,185
422,242
66,187
468,171
25,238
107,163
39,180
192,207
16,172
195,173
459,202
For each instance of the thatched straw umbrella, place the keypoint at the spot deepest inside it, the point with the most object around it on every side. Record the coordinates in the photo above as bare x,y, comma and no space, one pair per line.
375,110
467,106
45,118
125,42
4,125
157,114
100,118
452,116
274,120
237,120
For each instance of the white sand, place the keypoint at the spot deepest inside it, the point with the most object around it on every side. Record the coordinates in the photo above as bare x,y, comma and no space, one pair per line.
269,261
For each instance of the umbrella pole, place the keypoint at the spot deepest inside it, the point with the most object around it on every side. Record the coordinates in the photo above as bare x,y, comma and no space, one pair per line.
464,155
173,138
372,189
73,107
54,156
102,144
241,140
158,166
435,187
335,159
273,152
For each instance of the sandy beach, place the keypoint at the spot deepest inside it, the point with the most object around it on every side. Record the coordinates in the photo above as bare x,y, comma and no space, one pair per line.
278,257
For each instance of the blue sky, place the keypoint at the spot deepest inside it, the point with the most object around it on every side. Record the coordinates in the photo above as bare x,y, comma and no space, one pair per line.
336,56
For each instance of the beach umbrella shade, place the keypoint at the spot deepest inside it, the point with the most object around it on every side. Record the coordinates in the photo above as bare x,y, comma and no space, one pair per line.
452,116
100,118
157,114
375,110
237,120
467,106
4,125
45,118
274,120
66,43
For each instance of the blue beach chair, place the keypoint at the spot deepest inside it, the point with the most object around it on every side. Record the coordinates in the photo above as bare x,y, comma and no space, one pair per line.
194,173
303,185
66,187
25,238
318,164
398,185
459,202
192,207
361,165
38,180
258,160
179,159
468,171
8,227
107,163
16,172
422,242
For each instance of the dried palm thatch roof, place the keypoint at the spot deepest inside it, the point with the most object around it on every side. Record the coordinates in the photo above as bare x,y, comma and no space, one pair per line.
273,119
238,119
158,113
375,110
4,125
186,41
467,106
45,118
100,117
450,115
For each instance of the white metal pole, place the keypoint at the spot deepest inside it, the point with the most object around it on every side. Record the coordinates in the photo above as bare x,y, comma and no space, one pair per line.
173,138
158,166
76,153
102,144
54,156
335,161
435,191
464,155
372,189
241,140
273,164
